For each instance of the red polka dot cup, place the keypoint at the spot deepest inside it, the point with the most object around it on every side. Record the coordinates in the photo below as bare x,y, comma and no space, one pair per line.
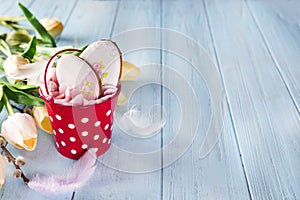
78,128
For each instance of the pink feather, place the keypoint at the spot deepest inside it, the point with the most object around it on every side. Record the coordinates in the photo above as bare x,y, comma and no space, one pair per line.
79,174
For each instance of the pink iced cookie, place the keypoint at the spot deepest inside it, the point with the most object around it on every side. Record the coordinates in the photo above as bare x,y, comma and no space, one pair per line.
75,77
105,57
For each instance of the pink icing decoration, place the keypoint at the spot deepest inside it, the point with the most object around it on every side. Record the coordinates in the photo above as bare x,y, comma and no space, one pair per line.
76,96
97,68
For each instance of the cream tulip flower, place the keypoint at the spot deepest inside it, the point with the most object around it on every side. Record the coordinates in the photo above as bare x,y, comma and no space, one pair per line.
13,64
52,25
2,170
41,118
17,67
130,72
20,130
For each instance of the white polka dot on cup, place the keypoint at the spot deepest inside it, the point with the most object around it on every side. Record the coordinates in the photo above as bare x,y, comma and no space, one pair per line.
96,137
84,146
60,130
51,119
108,113
57,144
97,123
58,117
71,126
73,151
106,127
72,139
84,133
54,132
104,140
84,120
63,143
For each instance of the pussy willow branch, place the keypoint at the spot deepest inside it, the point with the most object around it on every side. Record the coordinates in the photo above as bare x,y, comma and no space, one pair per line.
13,160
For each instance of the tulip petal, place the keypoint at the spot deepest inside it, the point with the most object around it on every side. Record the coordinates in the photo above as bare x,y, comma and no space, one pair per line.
12,133
19,130
12,63
121,99
41,118
26,126
2,170
130,72
52,25
30,144
31,72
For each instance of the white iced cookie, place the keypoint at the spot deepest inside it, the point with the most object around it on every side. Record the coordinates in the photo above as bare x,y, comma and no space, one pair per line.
75,77
105,57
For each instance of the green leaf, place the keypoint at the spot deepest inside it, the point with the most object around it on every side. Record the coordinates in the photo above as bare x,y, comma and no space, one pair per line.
1,91
82,49
20,86
3,36
25,88
1,105
1,96
4,48
22,97
47,38
1,66
30,50
49,51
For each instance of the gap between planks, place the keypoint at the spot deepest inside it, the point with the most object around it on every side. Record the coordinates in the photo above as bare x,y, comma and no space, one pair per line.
273,57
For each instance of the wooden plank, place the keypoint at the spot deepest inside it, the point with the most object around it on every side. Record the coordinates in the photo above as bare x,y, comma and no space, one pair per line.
278,23
10,8
113,181
264,114
220,175
55,9
45,160
88,22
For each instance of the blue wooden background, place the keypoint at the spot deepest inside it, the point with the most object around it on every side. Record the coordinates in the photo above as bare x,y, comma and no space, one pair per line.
255,45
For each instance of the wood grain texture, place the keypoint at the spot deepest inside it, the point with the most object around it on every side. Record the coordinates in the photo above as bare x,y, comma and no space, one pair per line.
255,46
189,177
279,22
84,27
265,117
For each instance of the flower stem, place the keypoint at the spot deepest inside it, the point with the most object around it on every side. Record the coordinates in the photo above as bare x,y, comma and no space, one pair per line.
9,108
4,48
13,160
